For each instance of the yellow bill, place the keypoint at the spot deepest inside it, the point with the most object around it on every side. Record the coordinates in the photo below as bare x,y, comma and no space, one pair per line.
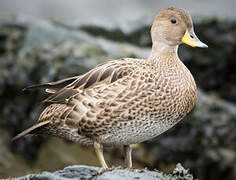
191,39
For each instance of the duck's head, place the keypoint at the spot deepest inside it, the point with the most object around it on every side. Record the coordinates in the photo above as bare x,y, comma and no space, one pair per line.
173,26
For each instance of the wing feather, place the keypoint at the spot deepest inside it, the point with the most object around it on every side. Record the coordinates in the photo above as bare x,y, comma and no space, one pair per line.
106,73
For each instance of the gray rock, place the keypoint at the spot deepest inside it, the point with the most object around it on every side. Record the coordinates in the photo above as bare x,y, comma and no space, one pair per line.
90,173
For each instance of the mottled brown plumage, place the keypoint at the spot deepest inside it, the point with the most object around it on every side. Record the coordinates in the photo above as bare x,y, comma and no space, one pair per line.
125,101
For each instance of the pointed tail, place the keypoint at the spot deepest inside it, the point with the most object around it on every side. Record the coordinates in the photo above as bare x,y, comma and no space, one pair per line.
28,131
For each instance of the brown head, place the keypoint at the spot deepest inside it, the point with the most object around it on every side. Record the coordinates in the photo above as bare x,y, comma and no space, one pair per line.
173,26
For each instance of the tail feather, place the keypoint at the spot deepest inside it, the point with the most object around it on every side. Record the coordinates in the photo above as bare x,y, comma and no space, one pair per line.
53,85
29,130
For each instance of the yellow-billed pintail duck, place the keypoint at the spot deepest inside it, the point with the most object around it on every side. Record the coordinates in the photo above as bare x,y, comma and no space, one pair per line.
125,101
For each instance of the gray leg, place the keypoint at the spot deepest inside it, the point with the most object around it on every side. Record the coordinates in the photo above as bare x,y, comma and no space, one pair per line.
128,156
99,152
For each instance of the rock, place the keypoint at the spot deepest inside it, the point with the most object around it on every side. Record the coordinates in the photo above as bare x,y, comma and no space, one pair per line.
90,173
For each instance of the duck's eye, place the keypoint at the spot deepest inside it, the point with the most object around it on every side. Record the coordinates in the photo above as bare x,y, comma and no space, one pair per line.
173,20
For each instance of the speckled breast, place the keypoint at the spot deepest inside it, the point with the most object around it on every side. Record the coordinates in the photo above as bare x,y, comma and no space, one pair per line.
166,107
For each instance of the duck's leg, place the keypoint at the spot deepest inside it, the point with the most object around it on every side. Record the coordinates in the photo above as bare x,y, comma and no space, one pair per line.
99,152
128,156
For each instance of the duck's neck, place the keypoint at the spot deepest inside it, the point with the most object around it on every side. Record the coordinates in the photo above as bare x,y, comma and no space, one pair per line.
163,52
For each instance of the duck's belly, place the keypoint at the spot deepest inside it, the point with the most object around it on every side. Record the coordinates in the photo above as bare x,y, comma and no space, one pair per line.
136,132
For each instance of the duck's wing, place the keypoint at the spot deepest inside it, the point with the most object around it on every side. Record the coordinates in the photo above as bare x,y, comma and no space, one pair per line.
103,74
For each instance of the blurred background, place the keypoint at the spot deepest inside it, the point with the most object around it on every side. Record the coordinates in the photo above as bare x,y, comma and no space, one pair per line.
43,41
